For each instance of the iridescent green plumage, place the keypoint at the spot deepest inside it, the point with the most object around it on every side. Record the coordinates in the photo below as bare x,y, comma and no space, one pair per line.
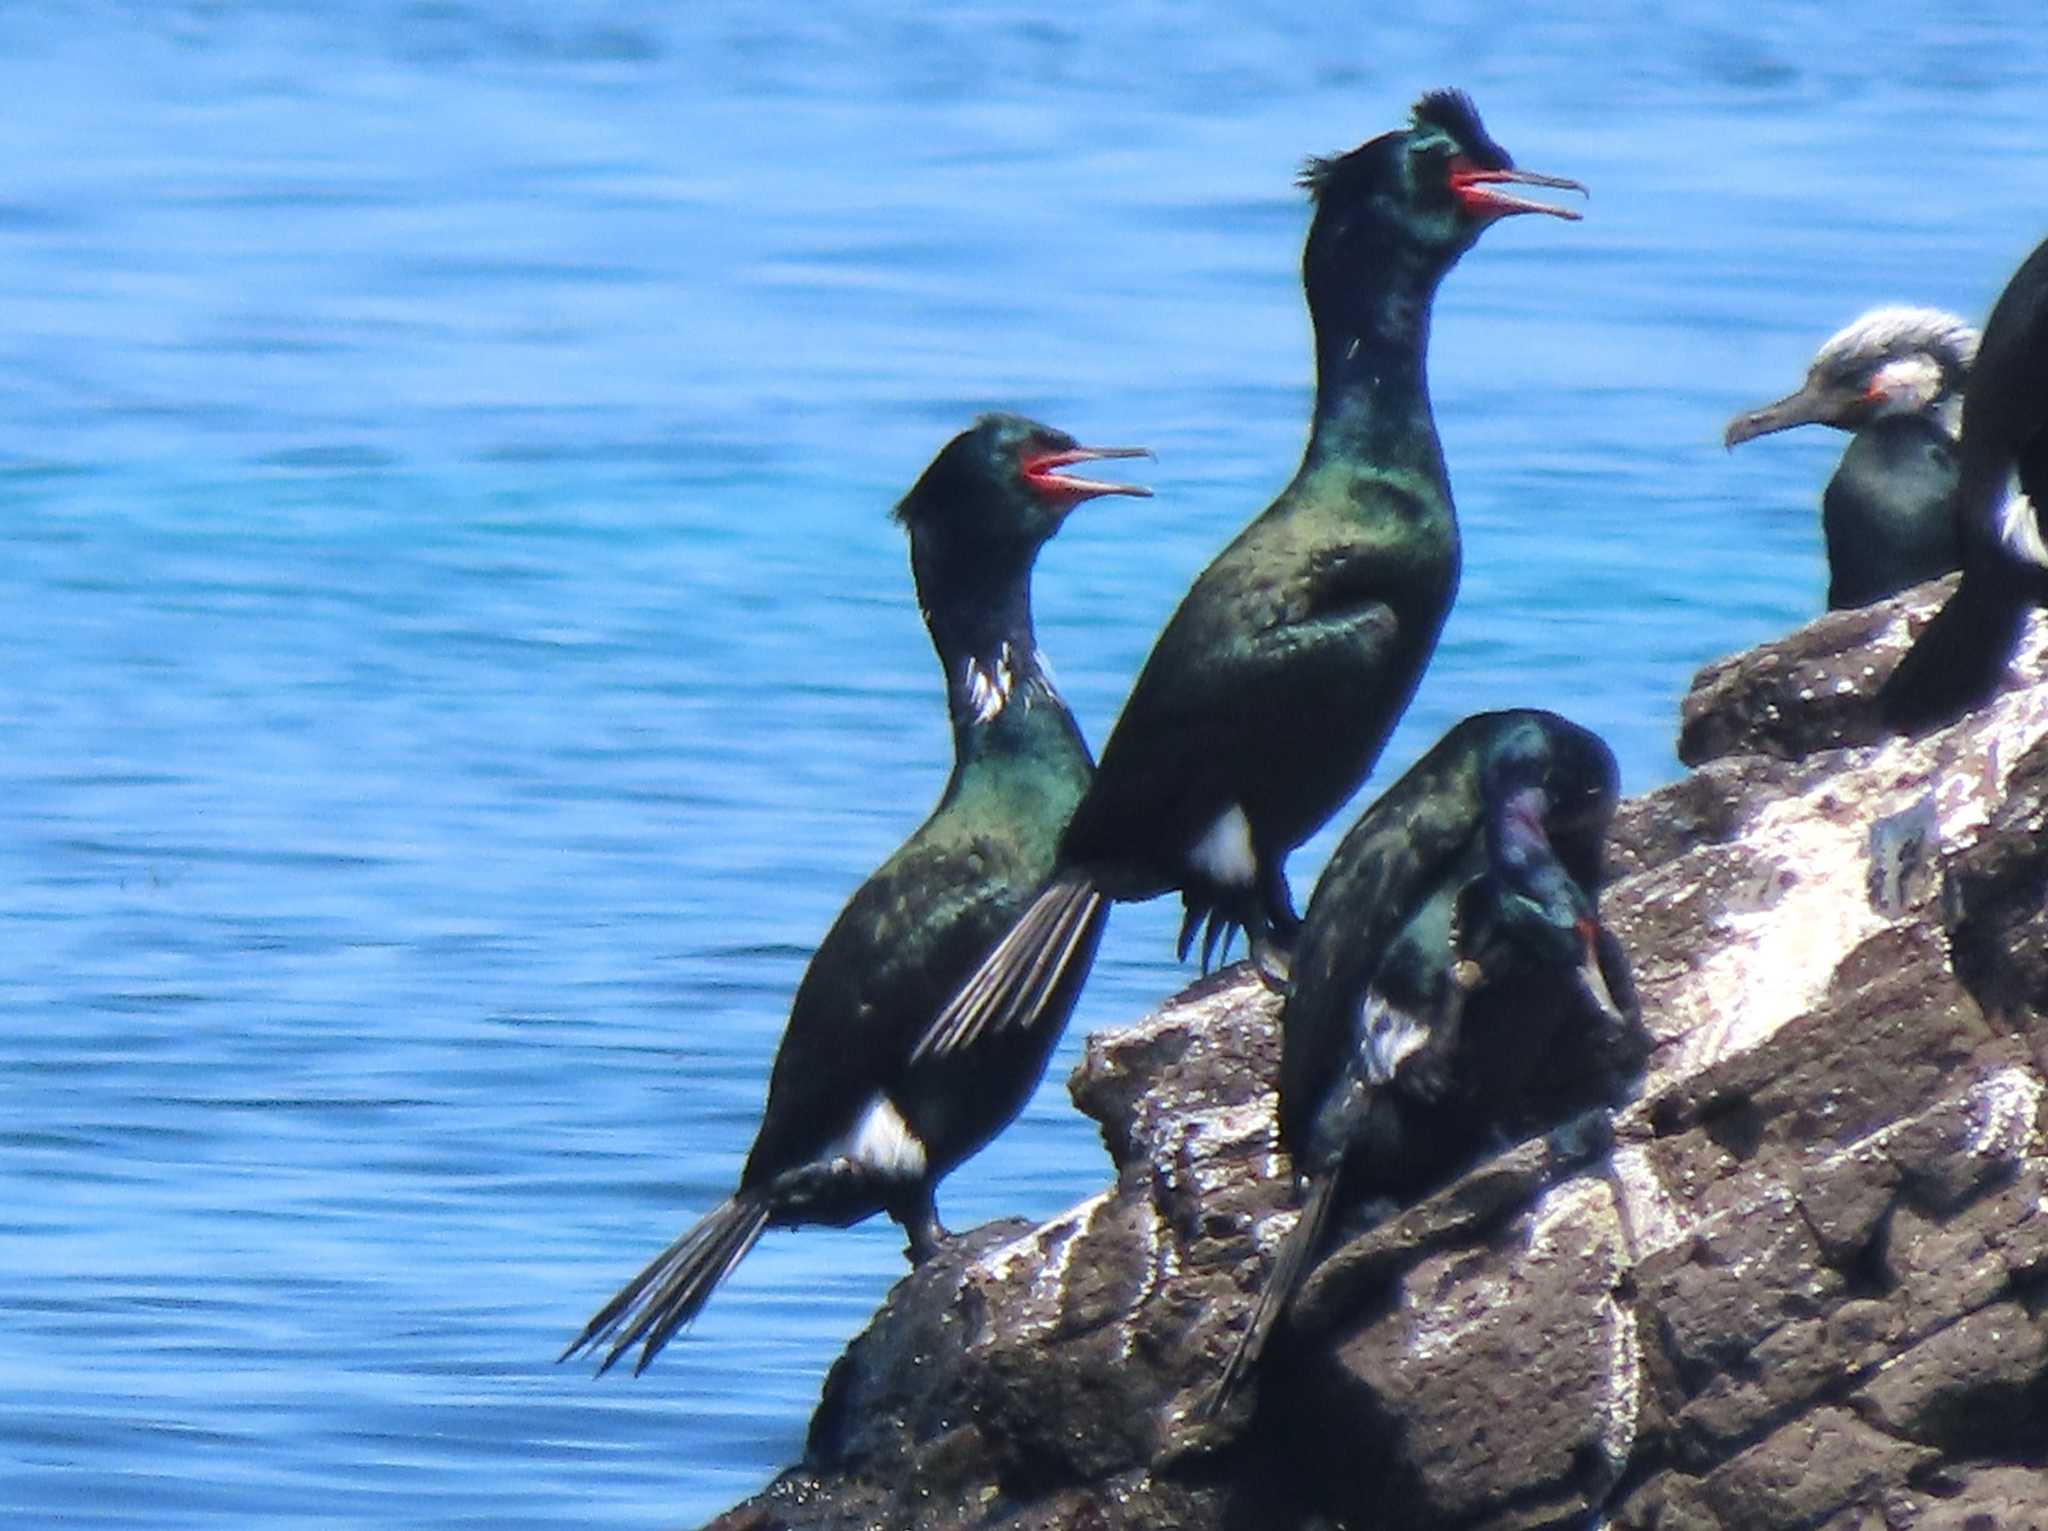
1453,989
853,1124
1274,686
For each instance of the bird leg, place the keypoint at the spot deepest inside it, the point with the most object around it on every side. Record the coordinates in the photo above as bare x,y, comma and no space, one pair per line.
1278,903
1272,937
1271,961
921,1223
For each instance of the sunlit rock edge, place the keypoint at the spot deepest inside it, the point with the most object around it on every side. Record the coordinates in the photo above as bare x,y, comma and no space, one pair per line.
1808,1288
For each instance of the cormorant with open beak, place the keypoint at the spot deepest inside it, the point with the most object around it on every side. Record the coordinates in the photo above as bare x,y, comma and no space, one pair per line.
1274,686
854,1125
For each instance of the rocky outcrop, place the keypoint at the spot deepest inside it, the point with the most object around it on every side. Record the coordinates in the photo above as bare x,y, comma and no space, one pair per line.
1808,1286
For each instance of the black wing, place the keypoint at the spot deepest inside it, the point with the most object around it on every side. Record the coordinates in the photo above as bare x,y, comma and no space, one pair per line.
1400,854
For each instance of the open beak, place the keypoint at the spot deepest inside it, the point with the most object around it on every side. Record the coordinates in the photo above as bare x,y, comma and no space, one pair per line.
1043,473
1809,406
1479,190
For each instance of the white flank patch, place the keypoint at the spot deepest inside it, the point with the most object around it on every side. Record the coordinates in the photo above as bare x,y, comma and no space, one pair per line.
883,1141
1391,1036
2020,530
988,686
1224,854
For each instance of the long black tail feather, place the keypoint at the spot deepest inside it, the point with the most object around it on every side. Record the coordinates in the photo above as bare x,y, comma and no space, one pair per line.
1290,1264
1015,982
675,1285
1213,924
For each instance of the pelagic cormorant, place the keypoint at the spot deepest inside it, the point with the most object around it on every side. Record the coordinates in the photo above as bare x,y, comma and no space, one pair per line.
1275,684
1895,378
852,1126
2001,509
1453,989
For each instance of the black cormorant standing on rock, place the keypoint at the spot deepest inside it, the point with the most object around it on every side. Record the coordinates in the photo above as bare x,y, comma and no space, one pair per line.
1275,684
1895,378
852,1126
2001,509
1453,988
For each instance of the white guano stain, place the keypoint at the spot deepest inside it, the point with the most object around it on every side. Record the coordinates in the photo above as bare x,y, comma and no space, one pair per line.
1651,1217
1773,962
2005,1116
1047,1252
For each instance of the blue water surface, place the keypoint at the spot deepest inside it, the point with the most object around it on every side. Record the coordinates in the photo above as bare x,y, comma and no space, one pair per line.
457,660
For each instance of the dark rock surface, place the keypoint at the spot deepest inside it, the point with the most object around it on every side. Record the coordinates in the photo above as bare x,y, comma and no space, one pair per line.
1808,1288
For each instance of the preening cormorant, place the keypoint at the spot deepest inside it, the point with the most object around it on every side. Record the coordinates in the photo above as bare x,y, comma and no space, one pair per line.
1453,989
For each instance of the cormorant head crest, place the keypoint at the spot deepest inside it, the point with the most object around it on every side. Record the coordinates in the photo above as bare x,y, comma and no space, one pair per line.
1451,113
1891,360
1900,330
1444,161
1445,119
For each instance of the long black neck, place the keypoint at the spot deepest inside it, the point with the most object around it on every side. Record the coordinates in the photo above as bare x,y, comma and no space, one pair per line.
978,608
1372,342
